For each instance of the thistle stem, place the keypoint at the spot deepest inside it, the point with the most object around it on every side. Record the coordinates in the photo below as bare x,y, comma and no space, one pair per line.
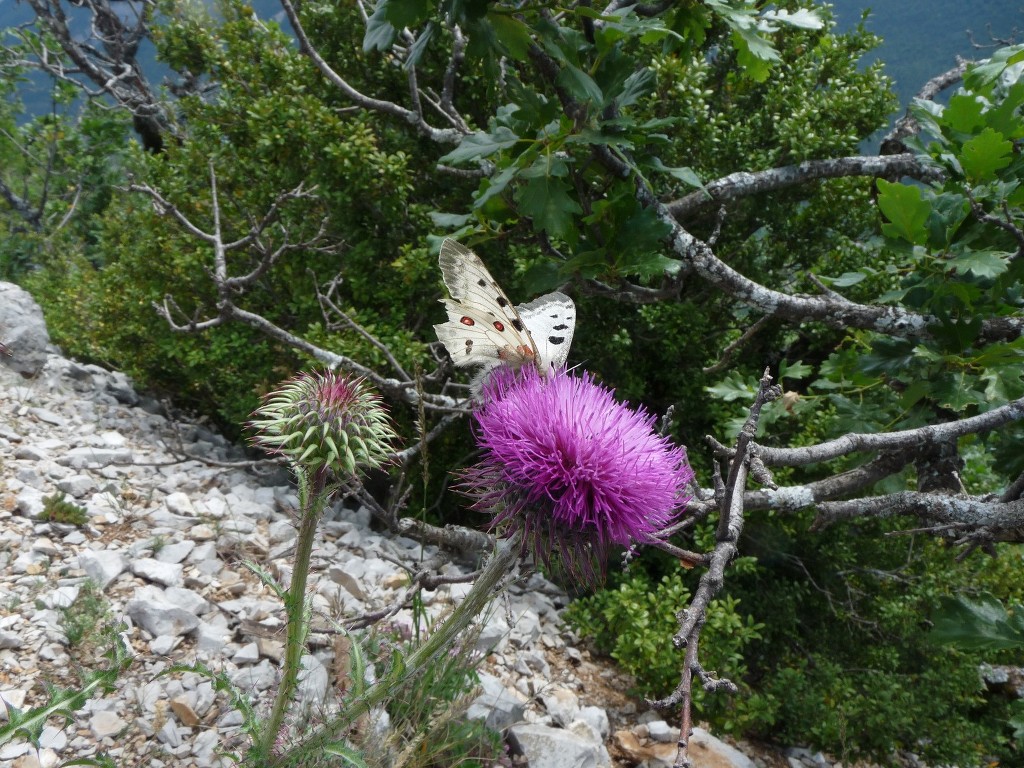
313,497
483,591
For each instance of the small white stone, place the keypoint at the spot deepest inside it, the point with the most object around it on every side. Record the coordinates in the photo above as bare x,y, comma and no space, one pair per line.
46,547
106,724
180,504
15,698
77,485
247,654
202,532
164,644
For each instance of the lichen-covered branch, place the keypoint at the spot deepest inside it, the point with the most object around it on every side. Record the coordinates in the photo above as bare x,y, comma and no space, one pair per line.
743,184
972,520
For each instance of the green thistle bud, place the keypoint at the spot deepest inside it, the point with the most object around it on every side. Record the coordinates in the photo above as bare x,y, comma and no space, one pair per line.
324,421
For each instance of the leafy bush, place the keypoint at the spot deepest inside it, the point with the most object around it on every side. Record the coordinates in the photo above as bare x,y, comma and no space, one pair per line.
634,624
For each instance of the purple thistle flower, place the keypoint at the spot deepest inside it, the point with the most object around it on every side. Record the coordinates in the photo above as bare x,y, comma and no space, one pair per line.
572,468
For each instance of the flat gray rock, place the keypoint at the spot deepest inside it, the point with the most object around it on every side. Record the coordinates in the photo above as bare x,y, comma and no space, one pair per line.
150,569
176,552
547,747
102,566
160,617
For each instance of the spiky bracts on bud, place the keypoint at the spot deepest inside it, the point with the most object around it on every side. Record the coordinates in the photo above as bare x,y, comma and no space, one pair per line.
573,469
324,420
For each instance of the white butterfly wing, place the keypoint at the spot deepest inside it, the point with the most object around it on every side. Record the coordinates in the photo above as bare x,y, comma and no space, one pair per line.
551,320
483,327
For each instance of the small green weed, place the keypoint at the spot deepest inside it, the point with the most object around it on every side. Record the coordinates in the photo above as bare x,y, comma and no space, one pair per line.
85,619
430,729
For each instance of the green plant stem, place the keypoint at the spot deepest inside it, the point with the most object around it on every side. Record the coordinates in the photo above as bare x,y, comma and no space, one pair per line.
440,641
313,496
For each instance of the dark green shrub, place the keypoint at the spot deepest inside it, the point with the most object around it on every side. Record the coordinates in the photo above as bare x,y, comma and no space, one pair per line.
58,510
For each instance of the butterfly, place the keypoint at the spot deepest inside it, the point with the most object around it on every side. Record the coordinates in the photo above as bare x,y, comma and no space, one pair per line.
485,329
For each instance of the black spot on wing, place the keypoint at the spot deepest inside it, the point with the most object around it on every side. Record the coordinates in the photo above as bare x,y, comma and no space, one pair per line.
518,324
556,340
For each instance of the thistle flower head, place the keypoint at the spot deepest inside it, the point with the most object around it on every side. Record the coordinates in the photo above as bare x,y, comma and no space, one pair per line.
572,469
324,421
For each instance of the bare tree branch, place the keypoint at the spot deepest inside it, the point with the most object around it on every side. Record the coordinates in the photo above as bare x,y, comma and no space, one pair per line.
906,126
793,497
975,519
114,70
893,441
30,214
729,496
410,116
832,309
736,186
228,287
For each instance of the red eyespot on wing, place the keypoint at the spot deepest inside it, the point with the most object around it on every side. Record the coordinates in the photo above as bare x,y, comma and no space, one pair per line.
467,321
499,326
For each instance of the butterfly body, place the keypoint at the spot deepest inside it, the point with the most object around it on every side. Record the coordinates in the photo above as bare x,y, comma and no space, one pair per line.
484,328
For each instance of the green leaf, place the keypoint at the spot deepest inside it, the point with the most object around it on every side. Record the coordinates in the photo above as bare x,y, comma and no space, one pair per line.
380,33
981,264
797,370
980,76
949,211
754,54
449,221
963,113
652,264
588,264
846,279
579,84
637,86
405,13
1005,116
732,387
684,174
956,391
547,201
542,276
513,35
957,334
349,755
803,18
419,47
891,356
985,154
978,625
906,211
482,144
494,186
